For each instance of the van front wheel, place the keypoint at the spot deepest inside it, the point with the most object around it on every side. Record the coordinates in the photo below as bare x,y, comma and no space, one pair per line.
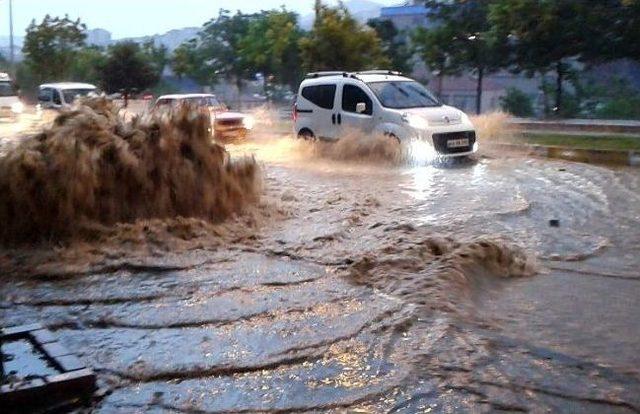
306,134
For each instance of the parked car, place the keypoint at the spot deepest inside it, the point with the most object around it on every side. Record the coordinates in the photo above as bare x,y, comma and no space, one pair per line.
63,94
10,104
225,125
380,102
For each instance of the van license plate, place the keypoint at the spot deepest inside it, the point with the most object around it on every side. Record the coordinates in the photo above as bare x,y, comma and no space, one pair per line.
457,143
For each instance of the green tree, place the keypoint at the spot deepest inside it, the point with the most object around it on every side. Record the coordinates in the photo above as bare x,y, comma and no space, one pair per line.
338,42
548,36
87,65
394,44
433,47
271,46
51,46
612,30
189,60
219,43
517,103
157,55
128,68
215,53
462,27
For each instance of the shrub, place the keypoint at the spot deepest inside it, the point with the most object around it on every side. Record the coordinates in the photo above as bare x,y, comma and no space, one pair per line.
517,103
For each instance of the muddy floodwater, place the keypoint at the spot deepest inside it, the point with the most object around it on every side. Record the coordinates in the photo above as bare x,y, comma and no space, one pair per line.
501,284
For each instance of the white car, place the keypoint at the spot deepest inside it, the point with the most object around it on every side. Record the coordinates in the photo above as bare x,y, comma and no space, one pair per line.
226,125
330,104
63,94
10,104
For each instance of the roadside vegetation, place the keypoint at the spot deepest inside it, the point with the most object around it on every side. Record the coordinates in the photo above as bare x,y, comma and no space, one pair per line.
611,142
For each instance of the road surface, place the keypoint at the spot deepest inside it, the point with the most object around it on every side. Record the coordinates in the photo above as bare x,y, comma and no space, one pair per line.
501,284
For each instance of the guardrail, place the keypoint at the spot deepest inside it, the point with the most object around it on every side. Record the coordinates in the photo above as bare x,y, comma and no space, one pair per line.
578,125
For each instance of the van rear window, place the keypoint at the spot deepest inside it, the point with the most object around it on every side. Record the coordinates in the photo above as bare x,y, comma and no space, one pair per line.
321,95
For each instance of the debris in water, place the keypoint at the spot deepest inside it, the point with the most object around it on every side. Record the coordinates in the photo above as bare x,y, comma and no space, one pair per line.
554,223
94,168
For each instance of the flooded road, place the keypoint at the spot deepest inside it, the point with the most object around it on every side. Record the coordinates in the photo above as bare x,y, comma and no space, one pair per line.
499,284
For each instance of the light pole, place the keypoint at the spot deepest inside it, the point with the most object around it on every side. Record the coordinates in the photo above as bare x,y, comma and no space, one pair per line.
11,59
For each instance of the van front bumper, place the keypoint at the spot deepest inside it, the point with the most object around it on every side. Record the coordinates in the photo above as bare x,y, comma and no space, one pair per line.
447,144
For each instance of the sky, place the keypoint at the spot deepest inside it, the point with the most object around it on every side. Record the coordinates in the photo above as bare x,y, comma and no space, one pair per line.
131,18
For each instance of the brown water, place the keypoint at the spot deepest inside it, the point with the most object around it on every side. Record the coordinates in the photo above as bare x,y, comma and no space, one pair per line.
368,285
93,167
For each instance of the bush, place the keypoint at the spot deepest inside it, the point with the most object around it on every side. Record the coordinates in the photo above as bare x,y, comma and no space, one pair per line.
620,107
517,103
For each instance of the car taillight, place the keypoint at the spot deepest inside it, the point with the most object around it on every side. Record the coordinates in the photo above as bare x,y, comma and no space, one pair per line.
294,112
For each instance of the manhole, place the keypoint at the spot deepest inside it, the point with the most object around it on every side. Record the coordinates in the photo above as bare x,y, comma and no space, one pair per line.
37,370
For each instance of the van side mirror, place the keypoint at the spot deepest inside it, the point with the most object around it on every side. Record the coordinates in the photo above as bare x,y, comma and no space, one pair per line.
361,107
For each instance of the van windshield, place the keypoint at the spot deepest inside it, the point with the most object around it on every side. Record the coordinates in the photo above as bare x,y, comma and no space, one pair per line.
7,89
403,94
70,95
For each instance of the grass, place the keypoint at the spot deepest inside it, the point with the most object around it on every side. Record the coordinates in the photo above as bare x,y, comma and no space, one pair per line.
613,142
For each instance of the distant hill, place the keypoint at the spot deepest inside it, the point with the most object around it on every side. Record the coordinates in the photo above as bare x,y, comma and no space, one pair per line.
172,39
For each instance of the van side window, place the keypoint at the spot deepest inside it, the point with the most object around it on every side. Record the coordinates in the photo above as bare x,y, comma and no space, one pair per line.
56,97
352,95
321,95
45,95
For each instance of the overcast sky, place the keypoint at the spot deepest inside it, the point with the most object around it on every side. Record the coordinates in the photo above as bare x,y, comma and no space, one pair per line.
128,18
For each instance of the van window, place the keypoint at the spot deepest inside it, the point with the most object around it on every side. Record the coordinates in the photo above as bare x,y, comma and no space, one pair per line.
56,97
71,95
7,89
352,95
44,95
321,95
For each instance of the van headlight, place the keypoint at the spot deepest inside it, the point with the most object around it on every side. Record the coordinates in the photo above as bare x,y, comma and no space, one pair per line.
17,107
248,122
416,122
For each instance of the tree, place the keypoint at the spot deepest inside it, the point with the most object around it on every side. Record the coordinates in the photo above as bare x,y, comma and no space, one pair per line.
51,46
433,47
157,55
219,43
338,42
189,60
464,34
394,44
87,65
215,52
549,36
271,46
612,30
128,68
517,103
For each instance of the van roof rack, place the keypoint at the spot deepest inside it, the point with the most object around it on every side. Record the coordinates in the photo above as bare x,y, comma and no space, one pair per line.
345,74
326,73
380,72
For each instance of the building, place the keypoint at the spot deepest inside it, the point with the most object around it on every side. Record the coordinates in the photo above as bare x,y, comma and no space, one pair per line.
406,17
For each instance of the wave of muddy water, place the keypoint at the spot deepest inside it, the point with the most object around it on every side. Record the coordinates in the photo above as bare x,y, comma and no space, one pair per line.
382,287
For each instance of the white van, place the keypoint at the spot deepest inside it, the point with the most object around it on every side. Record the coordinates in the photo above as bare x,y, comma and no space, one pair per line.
61,95
380,102
10,104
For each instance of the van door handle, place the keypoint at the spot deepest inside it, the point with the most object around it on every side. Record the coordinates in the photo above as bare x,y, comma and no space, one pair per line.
333,119
339,119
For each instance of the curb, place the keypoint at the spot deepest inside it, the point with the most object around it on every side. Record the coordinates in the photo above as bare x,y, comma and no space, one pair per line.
589,156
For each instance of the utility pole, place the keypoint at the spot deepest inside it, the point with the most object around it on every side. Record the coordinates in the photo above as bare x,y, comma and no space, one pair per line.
12,56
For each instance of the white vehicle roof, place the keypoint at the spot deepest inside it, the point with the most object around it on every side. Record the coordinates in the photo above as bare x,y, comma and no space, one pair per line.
68,85
187,95
367,77
4,77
